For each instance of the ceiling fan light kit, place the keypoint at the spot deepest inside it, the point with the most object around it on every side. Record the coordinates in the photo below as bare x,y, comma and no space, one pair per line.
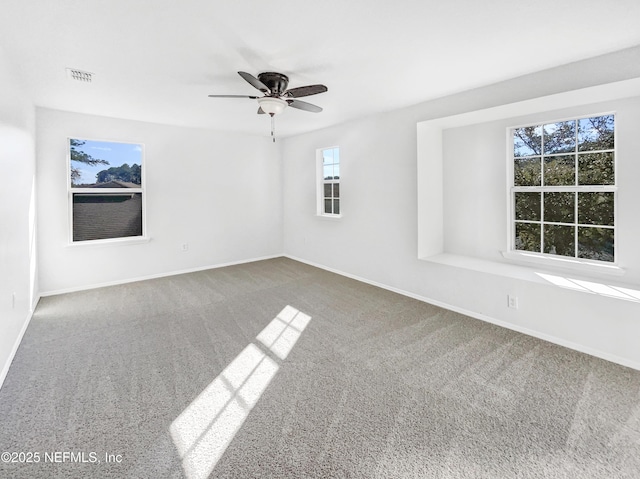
276,96
272,105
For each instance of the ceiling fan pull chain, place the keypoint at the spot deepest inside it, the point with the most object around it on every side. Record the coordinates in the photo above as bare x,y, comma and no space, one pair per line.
273,128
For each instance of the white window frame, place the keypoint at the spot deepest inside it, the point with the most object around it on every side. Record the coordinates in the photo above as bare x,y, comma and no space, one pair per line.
548,258
321,182
105,191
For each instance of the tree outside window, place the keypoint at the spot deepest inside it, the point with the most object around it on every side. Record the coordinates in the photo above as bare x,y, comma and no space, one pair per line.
563,193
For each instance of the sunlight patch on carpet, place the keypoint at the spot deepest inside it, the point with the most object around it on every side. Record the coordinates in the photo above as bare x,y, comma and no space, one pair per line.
204,430
282,333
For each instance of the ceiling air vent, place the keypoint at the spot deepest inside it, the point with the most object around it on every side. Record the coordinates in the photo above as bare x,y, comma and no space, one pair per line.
79,75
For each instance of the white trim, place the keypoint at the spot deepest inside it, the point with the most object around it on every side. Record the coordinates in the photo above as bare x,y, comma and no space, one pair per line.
329,217
563,189
482,317
125,240
142,190
105,191
16,344
154,276
320,182
572,263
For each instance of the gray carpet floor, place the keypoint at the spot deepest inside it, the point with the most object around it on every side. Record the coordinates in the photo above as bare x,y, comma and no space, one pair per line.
276,369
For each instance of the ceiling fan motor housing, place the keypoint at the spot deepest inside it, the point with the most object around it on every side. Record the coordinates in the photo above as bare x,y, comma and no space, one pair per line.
276,82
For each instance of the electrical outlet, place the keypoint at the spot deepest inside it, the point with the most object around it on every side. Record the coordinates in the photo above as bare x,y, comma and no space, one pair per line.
512,301
184,247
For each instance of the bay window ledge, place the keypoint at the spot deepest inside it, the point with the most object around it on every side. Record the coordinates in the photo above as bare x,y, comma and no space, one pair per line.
605,280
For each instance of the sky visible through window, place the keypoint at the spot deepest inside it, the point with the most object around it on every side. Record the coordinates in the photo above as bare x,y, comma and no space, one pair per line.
115,153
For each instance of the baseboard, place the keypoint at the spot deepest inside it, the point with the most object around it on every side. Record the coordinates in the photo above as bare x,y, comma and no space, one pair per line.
16,344
154,276
514,327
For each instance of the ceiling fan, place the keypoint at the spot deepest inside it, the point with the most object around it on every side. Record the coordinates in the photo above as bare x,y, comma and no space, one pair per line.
276,95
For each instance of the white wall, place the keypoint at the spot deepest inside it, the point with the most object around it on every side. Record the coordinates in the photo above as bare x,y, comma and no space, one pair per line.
376,239
220,193
17,235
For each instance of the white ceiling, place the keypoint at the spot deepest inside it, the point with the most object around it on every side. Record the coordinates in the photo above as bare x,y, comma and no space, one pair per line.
157,60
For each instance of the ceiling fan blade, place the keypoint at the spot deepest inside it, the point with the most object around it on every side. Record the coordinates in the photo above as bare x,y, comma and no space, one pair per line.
233,96
303,105
261,111
305,91
254,82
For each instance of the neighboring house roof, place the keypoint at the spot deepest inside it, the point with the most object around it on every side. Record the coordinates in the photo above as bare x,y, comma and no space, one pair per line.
114,184
95,219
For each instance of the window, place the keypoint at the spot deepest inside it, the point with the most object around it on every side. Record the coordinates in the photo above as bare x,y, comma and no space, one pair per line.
329,185
105,190
564,190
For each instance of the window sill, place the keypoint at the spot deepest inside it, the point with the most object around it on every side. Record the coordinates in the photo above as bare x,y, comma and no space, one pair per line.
109,242
572,278
565,264
329,217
